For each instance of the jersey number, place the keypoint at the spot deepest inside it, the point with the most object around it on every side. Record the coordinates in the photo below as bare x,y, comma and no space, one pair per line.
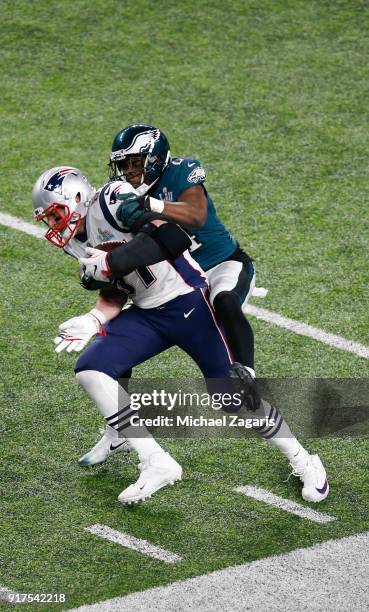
146,276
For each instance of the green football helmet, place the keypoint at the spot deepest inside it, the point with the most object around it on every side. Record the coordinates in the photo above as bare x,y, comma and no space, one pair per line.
139,142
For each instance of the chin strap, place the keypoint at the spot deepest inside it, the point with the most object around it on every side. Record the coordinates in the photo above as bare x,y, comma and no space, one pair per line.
143,189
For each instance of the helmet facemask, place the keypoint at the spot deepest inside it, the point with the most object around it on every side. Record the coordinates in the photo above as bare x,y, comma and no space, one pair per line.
65,226
129,168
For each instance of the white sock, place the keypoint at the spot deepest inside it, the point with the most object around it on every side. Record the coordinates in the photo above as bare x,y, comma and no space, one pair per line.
112,401
279,435
144,446
291,448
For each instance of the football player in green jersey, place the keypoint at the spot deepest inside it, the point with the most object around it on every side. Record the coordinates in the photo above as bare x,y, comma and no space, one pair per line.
174,187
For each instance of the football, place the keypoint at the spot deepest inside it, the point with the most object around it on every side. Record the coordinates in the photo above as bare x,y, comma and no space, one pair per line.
110,245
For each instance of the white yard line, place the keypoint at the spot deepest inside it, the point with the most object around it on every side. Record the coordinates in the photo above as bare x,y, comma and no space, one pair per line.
302,329
129,541
22,226
5,595
327,577
285,504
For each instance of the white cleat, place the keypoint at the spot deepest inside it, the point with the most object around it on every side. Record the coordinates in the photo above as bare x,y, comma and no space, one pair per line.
313,476
158,471
109,445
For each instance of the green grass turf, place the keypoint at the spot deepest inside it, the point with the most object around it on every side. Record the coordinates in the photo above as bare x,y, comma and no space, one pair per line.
271,96
47,500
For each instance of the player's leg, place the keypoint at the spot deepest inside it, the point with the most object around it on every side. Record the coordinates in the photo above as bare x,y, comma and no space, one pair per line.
308,468
157,467
105,361
192,325
231,284
111,442
206,344
98,370
275,430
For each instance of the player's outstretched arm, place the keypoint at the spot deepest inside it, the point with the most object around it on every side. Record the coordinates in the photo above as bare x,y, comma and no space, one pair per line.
190,211
156,241
75,333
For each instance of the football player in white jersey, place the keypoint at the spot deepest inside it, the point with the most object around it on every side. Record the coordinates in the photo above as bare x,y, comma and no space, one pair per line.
151,266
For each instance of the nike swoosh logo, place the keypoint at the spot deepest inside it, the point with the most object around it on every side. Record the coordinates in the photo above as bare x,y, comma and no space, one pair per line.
115,446
323,489
143,486
95,269
191,165
187,314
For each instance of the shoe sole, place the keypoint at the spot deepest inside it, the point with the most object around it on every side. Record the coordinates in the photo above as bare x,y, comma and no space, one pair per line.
149,493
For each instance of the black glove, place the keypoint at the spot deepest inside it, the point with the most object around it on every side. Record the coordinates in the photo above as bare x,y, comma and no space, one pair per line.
132,207
246,386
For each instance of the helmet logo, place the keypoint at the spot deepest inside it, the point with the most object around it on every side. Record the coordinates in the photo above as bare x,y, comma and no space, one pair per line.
56,180
141,142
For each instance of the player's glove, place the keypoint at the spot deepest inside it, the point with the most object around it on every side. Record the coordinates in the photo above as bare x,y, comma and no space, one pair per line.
133,206
246,386
96,264
89,283
76,332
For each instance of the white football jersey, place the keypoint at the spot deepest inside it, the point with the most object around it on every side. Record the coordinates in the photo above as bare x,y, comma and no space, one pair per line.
150,286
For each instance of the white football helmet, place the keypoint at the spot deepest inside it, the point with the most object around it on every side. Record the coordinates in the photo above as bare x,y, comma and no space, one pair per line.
65,194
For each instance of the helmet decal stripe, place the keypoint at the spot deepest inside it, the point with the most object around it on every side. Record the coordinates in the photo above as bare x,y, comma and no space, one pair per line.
106,212
142,142
57,179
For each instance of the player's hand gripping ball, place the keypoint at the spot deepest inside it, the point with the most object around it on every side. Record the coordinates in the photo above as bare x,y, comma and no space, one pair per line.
96,264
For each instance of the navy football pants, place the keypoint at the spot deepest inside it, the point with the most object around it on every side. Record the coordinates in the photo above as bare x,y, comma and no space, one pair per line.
138,334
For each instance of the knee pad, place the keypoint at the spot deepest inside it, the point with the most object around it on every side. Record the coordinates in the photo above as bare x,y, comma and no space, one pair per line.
227,304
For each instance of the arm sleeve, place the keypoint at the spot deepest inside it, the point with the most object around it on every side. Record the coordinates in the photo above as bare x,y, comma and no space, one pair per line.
151,245
142,250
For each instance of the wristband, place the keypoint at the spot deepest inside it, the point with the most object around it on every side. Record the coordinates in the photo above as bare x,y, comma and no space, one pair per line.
95,312
156,205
